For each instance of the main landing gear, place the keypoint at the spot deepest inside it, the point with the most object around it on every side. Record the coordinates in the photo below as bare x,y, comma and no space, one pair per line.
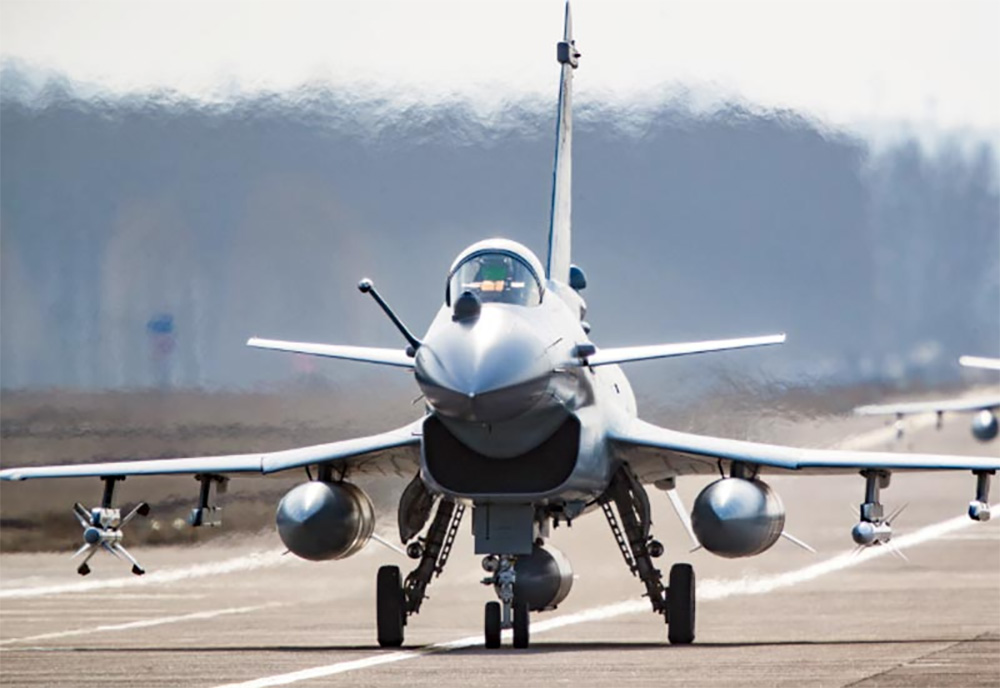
677,601
545,576
395,599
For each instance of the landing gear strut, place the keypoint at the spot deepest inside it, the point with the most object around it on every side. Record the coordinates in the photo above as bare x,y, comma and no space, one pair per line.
395,601
677,602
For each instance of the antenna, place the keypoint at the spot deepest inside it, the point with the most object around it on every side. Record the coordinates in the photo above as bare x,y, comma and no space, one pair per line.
366,286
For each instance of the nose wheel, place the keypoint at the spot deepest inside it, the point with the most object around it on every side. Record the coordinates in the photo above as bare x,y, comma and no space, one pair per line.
521,625
493,626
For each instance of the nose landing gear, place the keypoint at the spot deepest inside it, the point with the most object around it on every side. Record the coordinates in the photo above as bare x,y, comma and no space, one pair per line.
508,613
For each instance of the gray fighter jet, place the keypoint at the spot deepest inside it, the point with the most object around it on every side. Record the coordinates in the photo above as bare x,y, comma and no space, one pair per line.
984,421
529,424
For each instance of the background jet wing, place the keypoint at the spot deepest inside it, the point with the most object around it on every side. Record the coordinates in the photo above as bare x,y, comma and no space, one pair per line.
971,404
643,353
980,362
366,354
655,452
393,452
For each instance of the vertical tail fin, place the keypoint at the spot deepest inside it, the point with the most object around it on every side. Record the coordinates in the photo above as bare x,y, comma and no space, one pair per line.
558,263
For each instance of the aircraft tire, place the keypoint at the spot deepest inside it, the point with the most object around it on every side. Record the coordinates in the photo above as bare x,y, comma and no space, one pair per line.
390,612
680,605
492,625
522,622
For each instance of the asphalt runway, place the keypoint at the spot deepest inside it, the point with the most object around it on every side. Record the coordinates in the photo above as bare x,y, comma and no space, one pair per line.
240,612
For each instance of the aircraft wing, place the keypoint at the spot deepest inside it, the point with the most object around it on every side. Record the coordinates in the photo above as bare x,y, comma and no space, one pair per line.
393,452
644,353
655,453
366,354
970,404
980,362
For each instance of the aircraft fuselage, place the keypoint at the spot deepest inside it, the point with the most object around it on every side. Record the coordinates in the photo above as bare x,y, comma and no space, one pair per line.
512,415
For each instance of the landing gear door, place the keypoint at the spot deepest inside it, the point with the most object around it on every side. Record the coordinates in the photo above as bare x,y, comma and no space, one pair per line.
503,528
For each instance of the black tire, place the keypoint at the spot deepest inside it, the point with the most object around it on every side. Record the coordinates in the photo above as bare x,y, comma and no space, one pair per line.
390,608
522,622
492,625
680,605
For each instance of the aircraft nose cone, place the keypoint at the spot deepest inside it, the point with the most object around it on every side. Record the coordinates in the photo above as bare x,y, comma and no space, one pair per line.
495,370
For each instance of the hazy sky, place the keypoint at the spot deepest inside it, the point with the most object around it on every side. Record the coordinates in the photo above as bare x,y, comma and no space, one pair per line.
930,62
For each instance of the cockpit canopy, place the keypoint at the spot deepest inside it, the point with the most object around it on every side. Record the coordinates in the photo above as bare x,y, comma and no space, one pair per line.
496,276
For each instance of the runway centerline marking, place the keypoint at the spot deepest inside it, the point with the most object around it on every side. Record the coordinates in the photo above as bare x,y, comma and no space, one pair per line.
711,589
142,623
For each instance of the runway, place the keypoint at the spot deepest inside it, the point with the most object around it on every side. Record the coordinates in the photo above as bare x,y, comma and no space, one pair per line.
238,612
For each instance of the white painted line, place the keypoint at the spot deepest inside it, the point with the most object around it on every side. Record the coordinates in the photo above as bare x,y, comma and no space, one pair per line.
985,535
712,589
144,623
151,596
721,589
249,562
340,668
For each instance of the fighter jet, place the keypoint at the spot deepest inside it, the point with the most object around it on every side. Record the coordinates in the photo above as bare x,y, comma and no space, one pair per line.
530,424
984,422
